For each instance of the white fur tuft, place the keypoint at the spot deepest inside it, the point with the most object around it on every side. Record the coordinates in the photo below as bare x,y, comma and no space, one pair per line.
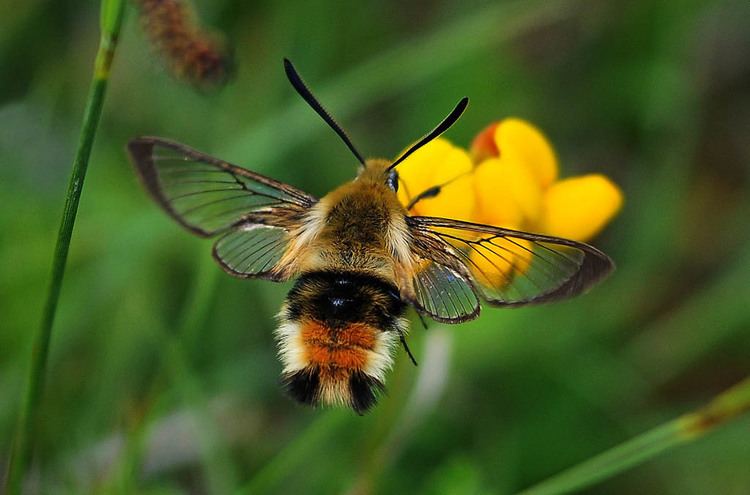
291,347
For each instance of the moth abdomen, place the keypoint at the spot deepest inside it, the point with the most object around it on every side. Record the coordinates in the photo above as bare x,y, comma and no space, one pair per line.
337,334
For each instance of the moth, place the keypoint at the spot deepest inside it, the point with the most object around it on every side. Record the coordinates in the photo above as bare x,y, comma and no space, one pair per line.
358,258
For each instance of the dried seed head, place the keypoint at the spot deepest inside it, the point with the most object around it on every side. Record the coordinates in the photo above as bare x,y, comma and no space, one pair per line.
192,54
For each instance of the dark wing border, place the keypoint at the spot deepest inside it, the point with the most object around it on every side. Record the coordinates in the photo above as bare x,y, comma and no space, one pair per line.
141,153
594,267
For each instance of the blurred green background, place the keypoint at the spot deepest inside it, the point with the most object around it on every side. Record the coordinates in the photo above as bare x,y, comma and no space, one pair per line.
163,376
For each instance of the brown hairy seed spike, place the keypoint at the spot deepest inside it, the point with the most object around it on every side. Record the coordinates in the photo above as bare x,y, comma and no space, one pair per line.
191,53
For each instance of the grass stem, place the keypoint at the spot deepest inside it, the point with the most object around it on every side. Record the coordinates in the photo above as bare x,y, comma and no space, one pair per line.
111,20
725,407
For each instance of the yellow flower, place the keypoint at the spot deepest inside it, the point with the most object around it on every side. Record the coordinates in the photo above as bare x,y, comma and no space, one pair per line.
508,178
514,160
439,163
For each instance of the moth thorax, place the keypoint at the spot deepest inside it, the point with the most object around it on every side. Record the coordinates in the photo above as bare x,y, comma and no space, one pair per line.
337,334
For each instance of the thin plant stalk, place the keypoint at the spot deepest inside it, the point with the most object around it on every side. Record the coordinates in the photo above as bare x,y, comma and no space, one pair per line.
725,407
111,20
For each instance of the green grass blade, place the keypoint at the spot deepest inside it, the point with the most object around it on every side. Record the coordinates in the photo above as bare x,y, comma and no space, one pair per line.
722,409
112,12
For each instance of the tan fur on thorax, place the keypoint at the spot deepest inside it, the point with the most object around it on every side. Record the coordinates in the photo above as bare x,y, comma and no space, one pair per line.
358,226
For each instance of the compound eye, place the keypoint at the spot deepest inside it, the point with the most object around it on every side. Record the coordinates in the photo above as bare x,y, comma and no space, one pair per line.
392,180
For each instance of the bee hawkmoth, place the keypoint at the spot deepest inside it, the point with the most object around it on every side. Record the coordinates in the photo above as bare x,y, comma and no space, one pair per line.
358,258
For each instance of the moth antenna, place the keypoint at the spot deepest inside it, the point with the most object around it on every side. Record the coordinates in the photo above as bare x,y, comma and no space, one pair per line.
441,128
306,94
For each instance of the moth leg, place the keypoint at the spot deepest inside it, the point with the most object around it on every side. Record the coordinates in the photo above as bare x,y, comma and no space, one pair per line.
406,347
432,192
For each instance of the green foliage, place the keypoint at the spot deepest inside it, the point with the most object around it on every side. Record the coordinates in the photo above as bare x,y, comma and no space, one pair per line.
28,424
162,374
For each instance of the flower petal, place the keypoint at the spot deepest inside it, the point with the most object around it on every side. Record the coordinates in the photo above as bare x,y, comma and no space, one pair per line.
483,145
438,162
579,207
519,140
507,193
415,173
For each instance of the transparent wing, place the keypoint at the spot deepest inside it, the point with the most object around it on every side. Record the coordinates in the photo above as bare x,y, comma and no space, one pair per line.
508,267
205,194
444,294
209,196
252,251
